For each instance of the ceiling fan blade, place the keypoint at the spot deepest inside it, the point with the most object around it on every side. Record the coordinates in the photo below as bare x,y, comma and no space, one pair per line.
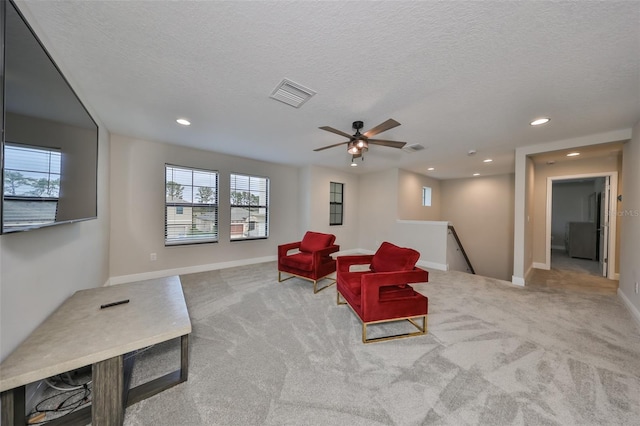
392,144
382,127
336,131
331,146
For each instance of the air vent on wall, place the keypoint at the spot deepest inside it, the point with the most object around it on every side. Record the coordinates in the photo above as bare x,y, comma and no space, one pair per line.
413,148
292,93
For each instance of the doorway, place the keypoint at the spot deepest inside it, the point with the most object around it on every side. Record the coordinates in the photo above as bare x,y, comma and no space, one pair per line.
580,237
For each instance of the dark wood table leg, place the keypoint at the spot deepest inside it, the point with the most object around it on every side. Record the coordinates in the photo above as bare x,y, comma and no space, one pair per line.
107,406
12,407
184,358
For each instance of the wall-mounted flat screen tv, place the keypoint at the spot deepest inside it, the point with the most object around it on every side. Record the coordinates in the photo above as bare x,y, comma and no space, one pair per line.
49,152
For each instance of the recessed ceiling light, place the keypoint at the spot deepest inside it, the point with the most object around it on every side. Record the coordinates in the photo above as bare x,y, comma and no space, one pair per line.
476,174
540,121
488,160
354,164
573,154
183,121
431,169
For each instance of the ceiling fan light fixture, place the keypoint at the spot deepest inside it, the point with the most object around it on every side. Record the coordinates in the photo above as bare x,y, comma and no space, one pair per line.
353,148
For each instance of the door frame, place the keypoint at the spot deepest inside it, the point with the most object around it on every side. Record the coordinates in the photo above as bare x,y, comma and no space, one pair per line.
613,194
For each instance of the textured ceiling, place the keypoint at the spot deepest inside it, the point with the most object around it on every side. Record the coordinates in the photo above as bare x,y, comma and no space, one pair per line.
457,75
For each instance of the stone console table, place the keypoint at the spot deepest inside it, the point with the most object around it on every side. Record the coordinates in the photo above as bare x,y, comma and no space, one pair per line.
80,333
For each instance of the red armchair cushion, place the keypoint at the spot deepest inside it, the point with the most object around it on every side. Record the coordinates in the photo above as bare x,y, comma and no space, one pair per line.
353,281
314,241
393,293
302,261
390,258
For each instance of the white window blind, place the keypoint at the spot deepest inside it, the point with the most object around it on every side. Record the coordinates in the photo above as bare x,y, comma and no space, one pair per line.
31,185
249,207
191,205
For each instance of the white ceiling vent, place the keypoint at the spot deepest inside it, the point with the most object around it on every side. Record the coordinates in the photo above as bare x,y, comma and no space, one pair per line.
292,93
413,148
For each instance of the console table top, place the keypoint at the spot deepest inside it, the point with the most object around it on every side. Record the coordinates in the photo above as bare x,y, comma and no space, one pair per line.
79,333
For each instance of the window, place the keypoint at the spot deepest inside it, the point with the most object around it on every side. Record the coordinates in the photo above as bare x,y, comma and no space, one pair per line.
426,196
335,203
191,206
31,185
249,207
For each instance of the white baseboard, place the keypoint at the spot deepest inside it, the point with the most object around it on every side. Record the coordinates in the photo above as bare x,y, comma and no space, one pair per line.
122,279
538,265
519,281
433,265
635,313
562,247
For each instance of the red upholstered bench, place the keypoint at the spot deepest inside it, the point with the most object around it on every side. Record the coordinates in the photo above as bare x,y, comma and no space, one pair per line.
381,293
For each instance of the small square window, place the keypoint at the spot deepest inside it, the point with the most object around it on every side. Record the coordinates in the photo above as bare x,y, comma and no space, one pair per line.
426,196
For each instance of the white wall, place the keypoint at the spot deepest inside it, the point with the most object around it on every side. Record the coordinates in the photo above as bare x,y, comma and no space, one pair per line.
137,211
315,204
629,214
378,200
39,269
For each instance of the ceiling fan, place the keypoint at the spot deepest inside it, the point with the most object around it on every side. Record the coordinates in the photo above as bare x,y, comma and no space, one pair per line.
359,142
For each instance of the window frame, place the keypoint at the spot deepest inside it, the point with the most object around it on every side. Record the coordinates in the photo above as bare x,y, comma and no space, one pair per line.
333,204
426,201
214,207
251,225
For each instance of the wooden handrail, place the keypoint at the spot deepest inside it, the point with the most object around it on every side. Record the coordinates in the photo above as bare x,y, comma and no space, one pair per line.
466,258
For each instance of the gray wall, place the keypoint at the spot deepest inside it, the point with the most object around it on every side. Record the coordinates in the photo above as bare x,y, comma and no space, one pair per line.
569,204
629,215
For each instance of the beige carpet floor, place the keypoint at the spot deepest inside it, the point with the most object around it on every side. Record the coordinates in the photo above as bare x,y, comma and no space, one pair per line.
269,353
573,275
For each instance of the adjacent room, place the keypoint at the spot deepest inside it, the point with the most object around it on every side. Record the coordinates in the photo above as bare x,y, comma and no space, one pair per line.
160,158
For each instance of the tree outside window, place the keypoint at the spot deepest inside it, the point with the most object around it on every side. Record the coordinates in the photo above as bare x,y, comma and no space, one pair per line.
249,199
191,205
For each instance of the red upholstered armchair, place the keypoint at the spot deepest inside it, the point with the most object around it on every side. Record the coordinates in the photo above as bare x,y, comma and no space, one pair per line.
311,260
380,294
